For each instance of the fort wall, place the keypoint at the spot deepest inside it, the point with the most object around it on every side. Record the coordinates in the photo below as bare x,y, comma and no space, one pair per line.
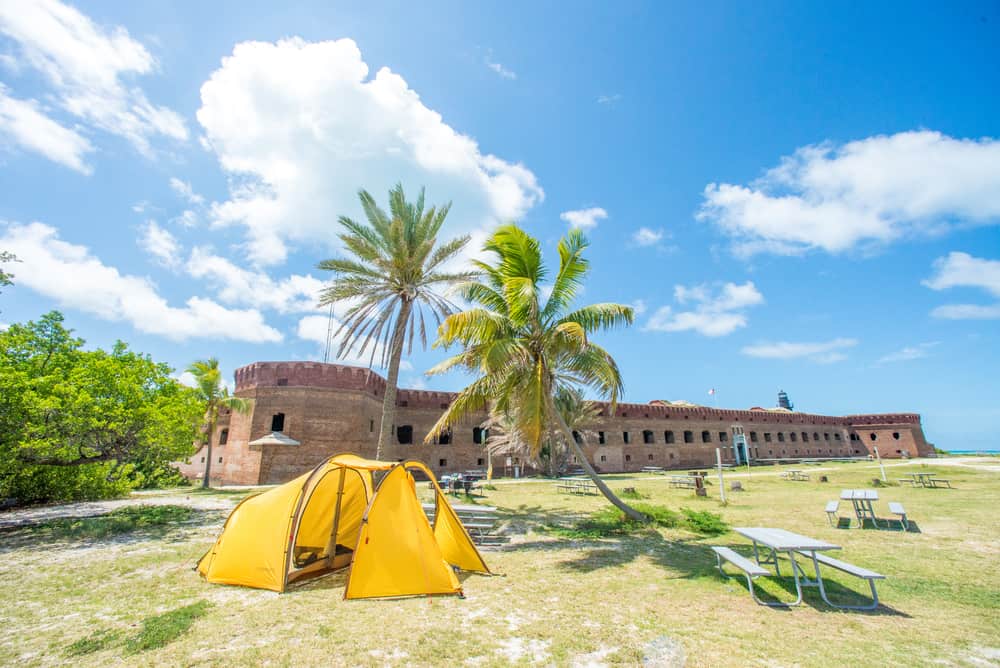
331,408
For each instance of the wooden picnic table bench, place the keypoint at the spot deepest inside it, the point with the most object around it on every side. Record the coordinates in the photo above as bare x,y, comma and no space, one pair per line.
683,481
576,485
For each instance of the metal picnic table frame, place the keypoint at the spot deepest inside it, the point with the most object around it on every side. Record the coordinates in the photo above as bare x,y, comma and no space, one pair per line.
862,500
779,540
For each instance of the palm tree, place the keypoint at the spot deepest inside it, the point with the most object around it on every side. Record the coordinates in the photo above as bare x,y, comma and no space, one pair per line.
211,390
524,352
394,273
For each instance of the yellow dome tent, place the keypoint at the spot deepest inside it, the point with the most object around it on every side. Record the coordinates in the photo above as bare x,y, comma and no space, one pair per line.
337,516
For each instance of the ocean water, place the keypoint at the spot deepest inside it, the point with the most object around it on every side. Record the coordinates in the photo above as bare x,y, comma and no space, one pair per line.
974,452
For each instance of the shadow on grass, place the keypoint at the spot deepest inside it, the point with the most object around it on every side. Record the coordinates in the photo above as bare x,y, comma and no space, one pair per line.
131,524
883,524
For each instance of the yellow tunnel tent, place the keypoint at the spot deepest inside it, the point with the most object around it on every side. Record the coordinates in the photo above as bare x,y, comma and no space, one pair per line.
338,516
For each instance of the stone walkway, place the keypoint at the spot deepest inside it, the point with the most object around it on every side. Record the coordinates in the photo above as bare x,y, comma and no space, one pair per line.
11,519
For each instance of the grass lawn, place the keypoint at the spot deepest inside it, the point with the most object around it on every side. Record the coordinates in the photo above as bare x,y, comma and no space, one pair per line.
105,593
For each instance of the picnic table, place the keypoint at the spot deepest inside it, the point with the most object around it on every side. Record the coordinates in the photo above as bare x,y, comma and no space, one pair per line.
795,474
925,479
652,469
862,499
576,485
683,481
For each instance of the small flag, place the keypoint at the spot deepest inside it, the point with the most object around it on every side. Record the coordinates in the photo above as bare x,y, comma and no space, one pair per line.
712,391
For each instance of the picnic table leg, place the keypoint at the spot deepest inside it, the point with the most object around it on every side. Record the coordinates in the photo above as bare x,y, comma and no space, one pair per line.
822,592
795,573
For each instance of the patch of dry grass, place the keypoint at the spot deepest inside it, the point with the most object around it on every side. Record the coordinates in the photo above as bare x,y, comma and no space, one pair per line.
559,600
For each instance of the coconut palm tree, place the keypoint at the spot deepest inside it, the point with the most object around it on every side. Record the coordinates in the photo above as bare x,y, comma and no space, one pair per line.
524,352
395,272
212,391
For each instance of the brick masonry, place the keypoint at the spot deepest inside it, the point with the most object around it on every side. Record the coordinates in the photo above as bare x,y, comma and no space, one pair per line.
333,408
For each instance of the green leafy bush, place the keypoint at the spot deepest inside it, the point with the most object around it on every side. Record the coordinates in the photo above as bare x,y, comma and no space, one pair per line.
610,521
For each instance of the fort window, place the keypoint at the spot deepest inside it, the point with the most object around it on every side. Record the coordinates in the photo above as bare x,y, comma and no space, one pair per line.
282,382
443,406
895,435
647,437
826,436
816,436
444,438
404,404
223,436
770,452
577,438
625,437
781,437
371,426
649,457
793,436
477,435
480,461
805,437
689,437
600,437
404,434
202,460
873,436
604,458
442,462
753,437
671,455
220,460
722,437
668,436
628,458
278,422
706,437
767,437
624,414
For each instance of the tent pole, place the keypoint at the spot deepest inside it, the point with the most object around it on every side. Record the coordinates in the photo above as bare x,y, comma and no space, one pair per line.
331,547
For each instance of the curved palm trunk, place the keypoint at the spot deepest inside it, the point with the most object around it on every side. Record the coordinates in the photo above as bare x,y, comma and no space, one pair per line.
389,400
585,463
213,412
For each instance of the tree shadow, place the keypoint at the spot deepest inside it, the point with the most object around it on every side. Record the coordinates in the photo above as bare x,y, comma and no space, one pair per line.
105,529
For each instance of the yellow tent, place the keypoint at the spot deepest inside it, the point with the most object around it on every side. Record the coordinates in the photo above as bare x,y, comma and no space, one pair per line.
337,516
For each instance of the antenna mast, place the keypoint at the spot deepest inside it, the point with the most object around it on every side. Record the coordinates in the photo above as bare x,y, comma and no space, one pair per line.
329,335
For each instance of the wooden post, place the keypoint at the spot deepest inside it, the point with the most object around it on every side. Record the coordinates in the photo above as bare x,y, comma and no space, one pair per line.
722,484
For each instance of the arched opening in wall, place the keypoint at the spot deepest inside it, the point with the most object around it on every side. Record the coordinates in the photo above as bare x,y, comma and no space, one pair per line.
404,434
649,457
767,437
223,437
689,437
278,422
600,437
805,437
604,458
625,437
444,438
477,435
668,436
647,437
706,437
895,435
671,455
282,382
442,462
371,426
577,437
628,458
816,436
480,462
873,436
792,436
826,436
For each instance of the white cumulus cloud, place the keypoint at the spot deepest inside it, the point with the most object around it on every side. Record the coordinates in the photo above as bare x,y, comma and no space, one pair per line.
871,191
585,219
315,327
89,68
711,313
184,189
24,124
961,270
823,352
70,275
244,287
301,126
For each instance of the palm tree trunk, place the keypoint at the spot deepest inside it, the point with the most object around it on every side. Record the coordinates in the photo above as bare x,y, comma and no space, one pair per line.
604,489
389,400
213,412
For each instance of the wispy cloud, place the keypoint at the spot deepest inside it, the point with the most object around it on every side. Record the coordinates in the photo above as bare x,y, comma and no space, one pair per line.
502,71
609,99
908,353
824,352
645,236
184,189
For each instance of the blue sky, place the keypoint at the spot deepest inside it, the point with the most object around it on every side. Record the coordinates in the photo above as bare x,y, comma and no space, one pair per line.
794,195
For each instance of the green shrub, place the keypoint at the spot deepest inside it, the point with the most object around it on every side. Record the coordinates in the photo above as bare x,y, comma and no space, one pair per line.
610,521
704,522
95,642
159,630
